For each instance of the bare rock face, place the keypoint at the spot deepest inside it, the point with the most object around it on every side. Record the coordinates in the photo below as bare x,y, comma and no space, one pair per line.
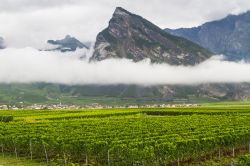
132,37
2,44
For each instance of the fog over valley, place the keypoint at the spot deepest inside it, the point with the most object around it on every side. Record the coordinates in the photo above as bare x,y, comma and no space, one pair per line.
28,65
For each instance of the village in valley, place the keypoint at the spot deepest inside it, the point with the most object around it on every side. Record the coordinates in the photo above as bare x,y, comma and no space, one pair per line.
90,106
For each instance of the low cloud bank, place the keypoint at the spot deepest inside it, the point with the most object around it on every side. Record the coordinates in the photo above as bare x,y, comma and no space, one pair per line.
27,65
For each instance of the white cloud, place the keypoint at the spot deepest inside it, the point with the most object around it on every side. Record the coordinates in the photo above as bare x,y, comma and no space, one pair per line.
33,22
29,65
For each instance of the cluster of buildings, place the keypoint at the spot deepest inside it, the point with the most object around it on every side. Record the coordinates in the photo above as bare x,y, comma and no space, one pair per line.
91,106
4,107
39,107
162,106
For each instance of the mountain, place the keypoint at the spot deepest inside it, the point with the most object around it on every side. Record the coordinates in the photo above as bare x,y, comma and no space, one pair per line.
2,44
67,44
229,36
133,37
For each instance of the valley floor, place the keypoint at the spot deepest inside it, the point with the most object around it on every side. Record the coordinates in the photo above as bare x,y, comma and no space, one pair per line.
212,134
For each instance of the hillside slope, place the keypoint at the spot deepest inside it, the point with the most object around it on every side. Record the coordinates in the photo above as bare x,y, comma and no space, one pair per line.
229,36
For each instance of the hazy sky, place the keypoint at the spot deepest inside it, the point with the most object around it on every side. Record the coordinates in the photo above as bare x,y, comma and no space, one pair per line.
32,22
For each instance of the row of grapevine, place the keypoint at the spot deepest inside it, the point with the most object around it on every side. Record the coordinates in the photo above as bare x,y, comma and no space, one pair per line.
131,139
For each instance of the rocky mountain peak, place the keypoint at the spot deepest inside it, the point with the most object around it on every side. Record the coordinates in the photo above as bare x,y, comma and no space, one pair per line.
68,36
67,44
2,44
120,11
132,37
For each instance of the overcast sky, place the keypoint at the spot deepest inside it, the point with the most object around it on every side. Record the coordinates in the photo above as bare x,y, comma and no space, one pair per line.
32,22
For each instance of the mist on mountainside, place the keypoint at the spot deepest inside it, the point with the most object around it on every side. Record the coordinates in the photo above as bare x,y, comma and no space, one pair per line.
28,65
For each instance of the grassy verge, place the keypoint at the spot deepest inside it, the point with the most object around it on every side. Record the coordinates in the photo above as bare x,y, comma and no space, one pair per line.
12,161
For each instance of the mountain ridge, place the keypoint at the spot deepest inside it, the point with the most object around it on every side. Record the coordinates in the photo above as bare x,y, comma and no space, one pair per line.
229,36
67,44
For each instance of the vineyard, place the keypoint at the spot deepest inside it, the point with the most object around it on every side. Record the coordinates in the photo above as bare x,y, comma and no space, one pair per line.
164,136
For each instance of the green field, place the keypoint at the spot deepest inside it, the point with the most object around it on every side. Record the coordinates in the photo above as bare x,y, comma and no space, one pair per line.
164,136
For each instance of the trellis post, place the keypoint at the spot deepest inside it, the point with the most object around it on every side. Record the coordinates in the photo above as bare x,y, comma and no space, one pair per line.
31,153
46,154
108,159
